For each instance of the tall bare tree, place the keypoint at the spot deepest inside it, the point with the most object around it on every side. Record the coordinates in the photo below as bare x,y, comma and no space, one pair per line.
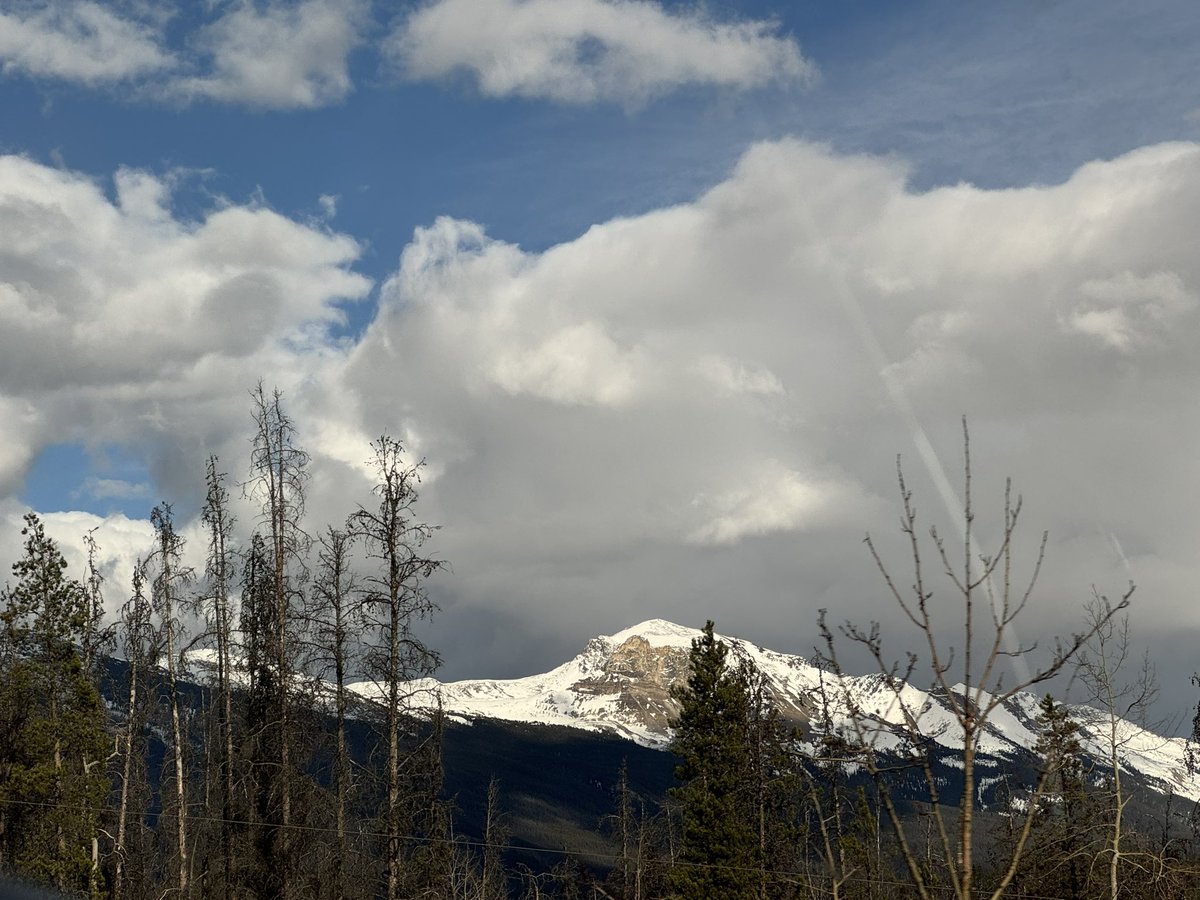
394,602
278,476
338,627
171,580
97,639
219,615
140,640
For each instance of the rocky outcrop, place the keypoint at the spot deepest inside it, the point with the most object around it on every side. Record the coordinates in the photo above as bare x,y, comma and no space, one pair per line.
639,678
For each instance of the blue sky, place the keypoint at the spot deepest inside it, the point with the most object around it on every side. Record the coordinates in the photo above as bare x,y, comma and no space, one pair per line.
658,290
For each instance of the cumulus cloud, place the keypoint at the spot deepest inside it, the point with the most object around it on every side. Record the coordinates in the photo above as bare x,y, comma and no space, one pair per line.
80,41
694,412
277,55
582,51
122,323
689,413
776,499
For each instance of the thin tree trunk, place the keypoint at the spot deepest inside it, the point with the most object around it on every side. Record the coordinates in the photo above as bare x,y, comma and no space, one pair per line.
393,764
126,775
177,738
219,522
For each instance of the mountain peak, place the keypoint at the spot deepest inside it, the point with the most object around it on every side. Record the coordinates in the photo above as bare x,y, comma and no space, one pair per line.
658,633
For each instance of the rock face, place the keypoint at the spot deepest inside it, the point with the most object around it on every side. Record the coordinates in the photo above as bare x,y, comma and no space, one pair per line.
639,678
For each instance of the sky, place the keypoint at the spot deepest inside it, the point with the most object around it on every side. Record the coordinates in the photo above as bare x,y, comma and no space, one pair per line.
659,291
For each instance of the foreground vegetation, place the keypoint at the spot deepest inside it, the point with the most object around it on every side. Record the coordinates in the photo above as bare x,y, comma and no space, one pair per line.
226,765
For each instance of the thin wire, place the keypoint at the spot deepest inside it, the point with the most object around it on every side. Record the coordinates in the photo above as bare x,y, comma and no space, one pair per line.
785,877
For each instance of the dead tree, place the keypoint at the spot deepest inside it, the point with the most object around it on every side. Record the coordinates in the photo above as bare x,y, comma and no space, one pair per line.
170,581
337,623
141,645
278,476
219,616
394,602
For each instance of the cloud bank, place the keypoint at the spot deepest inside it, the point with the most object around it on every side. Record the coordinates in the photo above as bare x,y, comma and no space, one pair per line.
680,413
295,54
687,413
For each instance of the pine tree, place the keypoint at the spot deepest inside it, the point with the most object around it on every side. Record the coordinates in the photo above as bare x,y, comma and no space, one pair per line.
1060,847
720,849
53,780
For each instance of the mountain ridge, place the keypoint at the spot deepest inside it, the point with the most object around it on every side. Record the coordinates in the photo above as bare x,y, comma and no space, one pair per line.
620,684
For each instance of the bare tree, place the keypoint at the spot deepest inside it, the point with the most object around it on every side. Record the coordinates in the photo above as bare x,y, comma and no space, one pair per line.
96,639
170,581
338,627
990,603
1124,703
394,602
141,645
219,569
278,476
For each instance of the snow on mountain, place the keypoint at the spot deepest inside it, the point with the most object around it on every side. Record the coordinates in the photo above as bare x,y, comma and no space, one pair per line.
621,684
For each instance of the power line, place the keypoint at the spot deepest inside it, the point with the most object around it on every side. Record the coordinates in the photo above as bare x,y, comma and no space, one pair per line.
772,876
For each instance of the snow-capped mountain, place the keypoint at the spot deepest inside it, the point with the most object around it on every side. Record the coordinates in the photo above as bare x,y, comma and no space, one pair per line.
621,684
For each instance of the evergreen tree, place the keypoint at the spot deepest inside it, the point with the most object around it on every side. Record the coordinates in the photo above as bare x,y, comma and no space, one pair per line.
719,855
1059,854
53,781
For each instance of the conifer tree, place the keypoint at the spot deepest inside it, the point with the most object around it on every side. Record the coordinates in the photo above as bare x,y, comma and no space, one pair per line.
53,781
720,849
1060,845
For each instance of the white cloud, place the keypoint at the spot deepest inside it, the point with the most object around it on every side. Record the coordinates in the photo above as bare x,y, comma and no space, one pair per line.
273,55
121,323
577,364
696,405
113,489
582,51
732,377
683,412
80,41
121,542
277,55
777,499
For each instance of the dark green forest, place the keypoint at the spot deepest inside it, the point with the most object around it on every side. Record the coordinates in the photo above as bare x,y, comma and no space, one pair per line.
206,744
